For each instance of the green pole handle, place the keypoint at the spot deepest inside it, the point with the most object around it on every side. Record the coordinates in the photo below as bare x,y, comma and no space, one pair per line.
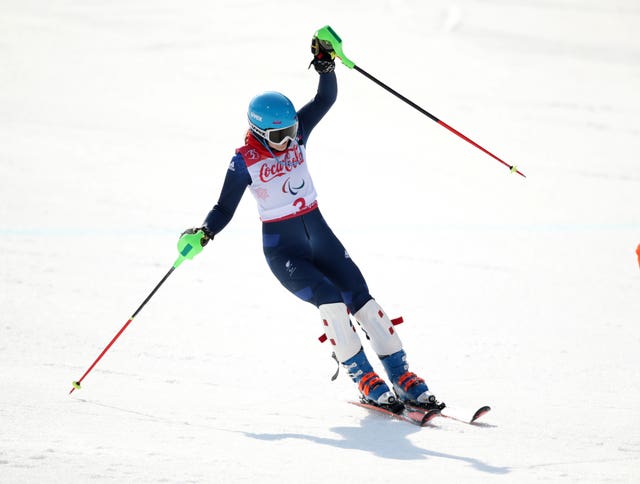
327,34
189,246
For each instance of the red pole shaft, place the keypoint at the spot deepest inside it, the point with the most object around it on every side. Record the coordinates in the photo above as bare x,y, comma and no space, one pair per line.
433,118
103,352
173,268
469,140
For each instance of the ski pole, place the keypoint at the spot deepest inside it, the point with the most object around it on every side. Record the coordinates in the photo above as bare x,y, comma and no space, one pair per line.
189,245
327,34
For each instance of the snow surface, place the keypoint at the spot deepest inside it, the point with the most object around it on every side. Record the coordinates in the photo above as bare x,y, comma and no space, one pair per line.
117,122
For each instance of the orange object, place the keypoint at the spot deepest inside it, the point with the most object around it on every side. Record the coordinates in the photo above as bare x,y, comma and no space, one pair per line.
638,252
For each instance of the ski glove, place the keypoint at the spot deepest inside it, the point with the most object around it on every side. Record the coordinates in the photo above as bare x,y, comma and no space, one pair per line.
206,235
323,56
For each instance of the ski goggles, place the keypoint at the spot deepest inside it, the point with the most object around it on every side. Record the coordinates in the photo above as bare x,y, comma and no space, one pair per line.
278,136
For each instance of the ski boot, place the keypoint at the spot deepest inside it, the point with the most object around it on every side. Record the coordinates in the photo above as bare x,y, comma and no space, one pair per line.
409,387
373,389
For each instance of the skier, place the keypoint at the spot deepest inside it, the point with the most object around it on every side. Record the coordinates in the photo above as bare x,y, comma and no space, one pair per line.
300,248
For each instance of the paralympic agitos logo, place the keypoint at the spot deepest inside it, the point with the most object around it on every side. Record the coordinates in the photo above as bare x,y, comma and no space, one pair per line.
288,187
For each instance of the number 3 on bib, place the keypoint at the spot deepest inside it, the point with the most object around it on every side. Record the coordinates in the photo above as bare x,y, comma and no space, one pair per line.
300,203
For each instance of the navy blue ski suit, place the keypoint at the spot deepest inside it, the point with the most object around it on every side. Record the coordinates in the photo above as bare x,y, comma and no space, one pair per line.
302,251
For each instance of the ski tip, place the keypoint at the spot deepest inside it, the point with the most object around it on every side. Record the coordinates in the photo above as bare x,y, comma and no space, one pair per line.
480,412
429,416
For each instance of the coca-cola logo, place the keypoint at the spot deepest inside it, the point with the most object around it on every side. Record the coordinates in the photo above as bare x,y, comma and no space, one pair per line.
274,169
269,171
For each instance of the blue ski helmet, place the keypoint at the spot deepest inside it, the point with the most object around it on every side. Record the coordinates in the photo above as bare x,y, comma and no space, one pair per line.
271,111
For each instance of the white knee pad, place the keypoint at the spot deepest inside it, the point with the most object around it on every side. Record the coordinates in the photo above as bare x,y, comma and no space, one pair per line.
379,328
339,330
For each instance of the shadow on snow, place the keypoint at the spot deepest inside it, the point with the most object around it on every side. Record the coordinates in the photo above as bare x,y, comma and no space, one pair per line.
394,445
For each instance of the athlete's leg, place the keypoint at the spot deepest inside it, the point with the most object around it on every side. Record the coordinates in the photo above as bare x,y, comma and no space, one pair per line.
331,257
288,252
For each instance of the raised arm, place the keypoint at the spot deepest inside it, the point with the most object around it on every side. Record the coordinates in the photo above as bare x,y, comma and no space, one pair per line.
312,112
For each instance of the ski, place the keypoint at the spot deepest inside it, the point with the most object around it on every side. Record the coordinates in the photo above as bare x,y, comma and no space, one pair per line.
473,420
477,414
415,416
